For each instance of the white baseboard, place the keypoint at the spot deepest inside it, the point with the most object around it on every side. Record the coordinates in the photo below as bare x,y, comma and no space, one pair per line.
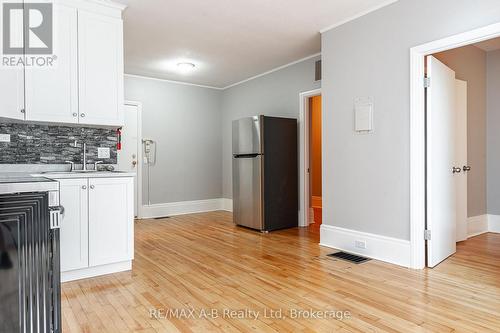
184,207
89,272
227,204
494,223
388,249
477,225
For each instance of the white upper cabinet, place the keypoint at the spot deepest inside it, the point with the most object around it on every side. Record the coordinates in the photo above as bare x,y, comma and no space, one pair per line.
85,83
52,92
100,50
12,93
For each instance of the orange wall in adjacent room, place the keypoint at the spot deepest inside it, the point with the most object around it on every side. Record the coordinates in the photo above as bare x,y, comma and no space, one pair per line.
315,151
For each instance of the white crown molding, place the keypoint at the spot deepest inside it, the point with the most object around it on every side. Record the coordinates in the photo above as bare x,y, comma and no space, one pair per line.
354,17
109,3
171,81
272,70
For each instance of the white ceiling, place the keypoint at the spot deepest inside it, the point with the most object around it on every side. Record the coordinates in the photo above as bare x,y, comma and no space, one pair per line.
489,45
228,40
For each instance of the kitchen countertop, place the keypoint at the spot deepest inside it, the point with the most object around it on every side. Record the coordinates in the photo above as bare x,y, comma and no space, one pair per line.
71,175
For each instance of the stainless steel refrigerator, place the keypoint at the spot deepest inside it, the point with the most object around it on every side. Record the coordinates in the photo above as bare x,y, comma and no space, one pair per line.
265,173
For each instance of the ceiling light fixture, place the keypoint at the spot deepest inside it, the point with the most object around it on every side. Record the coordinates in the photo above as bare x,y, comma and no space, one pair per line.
185,67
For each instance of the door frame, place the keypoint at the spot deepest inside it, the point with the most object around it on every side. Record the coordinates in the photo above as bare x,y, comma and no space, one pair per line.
304,154
417,130
138,105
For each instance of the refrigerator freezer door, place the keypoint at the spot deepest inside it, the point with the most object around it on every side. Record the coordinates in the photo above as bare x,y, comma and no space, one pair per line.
246,136
247,192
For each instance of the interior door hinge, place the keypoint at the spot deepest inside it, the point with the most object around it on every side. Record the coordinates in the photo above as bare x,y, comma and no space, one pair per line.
427,235
427,82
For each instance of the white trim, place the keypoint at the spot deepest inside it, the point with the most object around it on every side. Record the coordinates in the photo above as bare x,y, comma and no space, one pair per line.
272,70
417,130
183,207
227,204
304,155
171,81
494,223
354,17
108,3
138,105
477,225
388,249
89,272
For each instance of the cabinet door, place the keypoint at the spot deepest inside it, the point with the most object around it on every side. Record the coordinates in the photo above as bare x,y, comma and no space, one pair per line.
52,92
12,93
74,227
100,49
12,77
111,220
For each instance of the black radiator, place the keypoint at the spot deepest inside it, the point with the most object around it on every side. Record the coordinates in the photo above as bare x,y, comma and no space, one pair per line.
30,295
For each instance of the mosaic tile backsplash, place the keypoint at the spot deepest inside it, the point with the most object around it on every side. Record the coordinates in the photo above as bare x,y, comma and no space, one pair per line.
48,144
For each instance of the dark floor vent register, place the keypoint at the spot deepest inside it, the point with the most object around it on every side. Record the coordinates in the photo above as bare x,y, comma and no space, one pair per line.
349,257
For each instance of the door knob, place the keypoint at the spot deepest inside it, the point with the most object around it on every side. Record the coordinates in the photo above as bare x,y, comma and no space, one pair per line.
466,168
456,170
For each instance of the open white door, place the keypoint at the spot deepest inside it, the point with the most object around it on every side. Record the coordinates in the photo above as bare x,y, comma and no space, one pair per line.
441,156
461,158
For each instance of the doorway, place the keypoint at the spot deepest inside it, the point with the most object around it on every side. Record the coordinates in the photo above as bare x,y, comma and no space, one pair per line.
433,206
310,138
130,155
315,162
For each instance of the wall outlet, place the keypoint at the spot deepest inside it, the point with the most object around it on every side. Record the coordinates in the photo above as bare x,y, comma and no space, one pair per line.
103,152
4,137
360,244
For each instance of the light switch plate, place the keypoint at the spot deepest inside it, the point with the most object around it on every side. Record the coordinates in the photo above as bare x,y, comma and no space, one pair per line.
4,137
103,152
363,115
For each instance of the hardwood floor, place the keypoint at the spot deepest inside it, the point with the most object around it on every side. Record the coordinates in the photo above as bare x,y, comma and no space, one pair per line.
202,261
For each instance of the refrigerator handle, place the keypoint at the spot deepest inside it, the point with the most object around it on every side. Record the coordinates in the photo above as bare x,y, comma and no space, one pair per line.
246,155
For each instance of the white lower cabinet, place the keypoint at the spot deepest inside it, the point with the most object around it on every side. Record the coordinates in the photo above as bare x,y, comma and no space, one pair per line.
97,232
111,216
75,229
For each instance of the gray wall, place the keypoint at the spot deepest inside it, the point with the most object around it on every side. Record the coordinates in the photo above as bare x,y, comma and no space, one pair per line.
274,94
469,64
493,107
366,185
186,123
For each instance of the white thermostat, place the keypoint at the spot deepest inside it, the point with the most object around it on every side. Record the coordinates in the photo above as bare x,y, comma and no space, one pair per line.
363,115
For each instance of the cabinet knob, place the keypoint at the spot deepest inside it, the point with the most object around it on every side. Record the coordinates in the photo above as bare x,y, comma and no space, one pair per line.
75,114
84,187
82,115
92,187
23,111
